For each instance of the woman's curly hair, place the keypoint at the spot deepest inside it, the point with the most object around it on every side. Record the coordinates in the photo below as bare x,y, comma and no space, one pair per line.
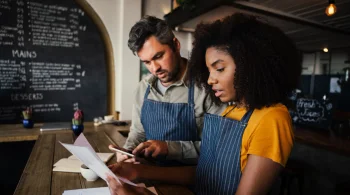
268,65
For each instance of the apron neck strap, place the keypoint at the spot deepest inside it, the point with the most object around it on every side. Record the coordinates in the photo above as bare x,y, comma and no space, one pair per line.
247,116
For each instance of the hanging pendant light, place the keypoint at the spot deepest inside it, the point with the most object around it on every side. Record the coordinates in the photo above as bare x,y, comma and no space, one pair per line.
331,8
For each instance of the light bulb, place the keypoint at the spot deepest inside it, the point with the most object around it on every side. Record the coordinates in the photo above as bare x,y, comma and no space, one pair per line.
331,9
325,49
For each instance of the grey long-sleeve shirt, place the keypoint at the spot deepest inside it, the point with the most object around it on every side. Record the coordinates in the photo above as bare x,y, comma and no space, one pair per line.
184,151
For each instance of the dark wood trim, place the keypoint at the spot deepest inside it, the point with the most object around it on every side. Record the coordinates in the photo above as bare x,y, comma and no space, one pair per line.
181,15
108,53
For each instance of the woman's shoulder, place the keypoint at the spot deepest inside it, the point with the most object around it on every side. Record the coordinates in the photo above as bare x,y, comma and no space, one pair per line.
275,111
268,117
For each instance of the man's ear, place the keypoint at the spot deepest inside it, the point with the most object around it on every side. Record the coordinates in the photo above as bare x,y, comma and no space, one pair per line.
177,44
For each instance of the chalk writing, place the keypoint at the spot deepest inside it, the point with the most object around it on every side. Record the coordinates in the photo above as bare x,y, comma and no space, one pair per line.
312,112
52,59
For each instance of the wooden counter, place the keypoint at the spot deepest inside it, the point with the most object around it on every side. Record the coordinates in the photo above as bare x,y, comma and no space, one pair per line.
38,177
325,139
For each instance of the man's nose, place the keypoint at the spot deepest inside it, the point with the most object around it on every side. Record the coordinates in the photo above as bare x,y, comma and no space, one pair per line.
155,66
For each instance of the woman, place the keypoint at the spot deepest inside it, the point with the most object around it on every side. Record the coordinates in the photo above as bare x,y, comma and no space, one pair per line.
242,60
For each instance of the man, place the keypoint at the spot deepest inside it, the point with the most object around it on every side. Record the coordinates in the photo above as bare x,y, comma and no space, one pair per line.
168,110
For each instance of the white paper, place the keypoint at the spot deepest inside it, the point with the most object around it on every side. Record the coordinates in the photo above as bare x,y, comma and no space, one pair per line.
82,141
89,191
91,160
65,162
105,157
68,165
96,191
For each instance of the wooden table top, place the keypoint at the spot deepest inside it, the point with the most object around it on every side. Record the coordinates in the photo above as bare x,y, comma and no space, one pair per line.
324,139
38,177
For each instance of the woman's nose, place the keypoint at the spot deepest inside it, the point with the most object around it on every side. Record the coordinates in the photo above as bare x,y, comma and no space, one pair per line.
211,80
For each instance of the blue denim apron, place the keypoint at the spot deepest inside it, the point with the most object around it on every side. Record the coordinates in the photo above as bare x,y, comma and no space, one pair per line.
219,167
169,121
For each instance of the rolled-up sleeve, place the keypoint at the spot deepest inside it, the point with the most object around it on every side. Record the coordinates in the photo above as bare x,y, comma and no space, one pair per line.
137,133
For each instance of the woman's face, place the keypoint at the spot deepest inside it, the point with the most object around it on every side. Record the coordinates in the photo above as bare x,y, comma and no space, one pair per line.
222,69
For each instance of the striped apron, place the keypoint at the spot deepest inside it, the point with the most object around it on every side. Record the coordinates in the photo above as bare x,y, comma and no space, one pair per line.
169,121
218,170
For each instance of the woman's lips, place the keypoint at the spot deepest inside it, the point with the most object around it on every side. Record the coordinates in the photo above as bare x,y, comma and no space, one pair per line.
218,93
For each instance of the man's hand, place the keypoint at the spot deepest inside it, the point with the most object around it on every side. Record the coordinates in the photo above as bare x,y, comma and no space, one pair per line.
117,188
152,147
126,170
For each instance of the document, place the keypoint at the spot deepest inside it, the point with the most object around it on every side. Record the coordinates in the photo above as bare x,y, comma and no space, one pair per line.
88,156
72,164
89,191
96,191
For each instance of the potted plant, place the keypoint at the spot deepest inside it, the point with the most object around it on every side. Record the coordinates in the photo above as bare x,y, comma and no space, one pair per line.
27,118
77,122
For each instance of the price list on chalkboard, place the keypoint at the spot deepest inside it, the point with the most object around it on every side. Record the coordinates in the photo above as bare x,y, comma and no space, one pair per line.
52,58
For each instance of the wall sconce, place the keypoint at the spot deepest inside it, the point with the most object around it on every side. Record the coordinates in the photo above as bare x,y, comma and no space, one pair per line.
325,49
331,8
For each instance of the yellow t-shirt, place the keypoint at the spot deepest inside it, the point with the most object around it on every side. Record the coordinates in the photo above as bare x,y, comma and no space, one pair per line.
269,133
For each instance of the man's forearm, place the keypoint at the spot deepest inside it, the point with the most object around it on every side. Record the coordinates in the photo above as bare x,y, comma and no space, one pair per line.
179,175
135,137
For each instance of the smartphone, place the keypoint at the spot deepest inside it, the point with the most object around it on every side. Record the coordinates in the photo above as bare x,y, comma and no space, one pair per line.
122,152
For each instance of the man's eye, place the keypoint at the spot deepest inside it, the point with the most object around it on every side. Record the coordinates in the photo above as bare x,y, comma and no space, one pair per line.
146,63
158,57
220,69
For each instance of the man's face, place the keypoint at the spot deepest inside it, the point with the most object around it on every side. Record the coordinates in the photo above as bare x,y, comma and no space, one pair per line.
161,60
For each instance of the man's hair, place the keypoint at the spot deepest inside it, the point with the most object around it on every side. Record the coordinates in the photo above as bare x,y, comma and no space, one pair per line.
268,65
150,26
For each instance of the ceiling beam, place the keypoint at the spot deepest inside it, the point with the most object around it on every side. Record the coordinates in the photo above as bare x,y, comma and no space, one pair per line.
252,7
181,14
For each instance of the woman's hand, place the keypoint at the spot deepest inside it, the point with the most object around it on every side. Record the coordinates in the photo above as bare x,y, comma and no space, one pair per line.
117,188
127,170
122,157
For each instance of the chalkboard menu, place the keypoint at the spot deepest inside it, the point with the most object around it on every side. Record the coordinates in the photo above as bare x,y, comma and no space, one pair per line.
52,58
312,112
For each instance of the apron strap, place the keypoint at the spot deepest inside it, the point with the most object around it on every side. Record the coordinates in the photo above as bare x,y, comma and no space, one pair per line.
191,93
247,116
147,92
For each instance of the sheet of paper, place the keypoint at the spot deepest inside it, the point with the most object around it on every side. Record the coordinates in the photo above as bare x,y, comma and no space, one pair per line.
66,169
91,160
89,191
68,165
82,141
105,157
65,162
97,191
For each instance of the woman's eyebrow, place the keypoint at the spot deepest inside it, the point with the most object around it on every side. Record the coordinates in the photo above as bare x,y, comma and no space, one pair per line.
216,62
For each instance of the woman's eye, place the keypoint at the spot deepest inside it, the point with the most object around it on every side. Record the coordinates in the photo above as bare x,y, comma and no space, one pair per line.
220,69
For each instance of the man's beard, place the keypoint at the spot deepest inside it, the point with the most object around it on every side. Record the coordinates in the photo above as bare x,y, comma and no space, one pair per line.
173,75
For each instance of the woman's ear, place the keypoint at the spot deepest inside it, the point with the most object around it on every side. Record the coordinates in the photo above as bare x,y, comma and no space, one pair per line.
177,45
